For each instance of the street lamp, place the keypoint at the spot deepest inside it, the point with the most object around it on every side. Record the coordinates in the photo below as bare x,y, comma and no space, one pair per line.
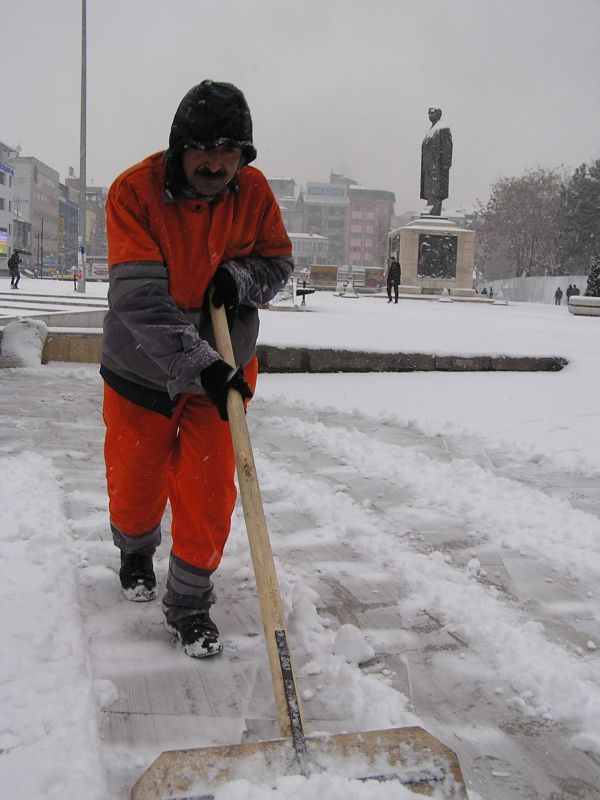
82,149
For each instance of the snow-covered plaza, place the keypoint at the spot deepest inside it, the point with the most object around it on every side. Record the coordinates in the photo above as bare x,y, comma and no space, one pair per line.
437,538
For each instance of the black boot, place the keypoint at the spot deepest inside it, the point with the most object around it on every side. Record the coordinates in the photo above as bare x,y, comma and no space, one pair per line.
138,581
197,633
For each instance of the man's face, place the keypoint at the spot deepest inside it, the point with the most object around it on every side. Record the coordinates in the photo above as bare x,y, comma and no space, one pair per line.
209,171
434,115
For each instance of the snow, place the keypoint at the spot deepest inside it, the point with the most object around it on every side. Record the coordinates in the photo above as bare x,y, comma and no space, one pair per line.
48,708
536,424
23,342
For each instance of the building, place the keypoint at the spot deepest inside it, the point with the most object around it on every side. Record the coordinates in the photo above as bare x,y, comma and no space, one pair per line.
68,227
7,193
308,248
284,190
283,187
36,201
324,208
95,217
353,220
95,222
7,181
370,212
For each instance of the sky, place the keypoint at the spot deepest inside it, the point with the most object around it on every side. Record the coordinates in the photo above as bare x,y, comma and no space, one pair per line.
452,516
333,85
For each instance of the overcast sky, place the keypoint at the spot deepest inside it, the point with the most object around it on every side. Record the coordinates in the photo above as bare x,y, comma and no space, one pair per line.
340,85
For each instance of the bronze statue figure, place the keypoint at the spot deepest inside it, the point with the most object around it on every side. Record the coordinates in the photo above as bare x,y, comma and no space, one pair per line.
436,160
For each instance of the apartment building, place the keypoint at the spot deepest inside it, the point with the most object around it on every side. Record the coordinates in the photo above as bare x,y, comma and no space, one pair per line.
36,201
324,208
308,248
95,221
7,180
7,192
370,220
68,227
354,220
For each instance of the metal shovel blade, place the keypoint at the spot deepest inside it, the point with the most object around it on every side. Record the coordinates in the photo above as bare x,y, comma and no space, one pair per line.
408,757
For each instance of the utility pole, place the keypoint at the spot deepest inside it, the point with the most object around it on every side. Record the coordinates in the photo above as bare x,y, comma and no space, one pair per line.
82,153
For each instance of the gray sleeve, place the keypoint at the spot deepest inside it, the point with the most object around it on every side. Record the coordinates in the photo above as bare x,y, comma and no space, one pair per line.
138,295
259,278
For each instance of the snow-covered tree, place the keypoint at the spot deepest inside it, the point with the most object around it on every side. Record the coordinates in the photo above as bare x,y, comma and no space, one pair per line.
593,283
581,221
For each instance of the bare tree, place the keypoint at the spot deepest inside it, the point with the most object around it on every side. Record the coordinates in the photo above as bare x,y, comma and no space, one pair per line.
519,231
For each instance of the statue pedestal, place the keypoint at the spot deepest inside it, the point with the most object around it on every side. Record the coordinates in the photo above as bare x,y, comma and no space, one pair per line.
435,254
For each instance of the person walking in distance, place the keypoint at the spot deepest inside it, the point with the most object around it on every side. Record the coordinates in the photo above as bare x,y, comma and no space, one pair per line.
184,224
13,268
558,296
393,280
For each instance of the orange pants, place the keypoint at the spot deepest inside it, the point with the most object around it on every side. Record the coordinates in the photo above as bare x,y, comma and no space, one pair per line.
187,459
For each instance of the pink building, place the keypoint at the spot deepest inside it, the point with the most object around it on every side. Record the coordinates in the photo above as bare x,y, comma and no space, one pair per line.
370,214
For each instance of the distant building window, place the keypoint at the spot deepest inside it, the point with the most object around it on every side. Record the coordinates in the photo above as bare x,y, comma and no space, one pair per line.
1,204
370,215
44,180
2,177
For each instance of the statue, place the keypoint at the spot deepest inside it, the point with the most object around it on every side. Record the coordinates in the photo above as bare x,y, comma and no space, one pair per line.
436,160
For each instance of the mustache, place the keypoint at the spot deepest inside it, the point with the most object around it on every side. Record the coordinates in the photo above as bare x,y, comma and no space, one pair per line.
205,172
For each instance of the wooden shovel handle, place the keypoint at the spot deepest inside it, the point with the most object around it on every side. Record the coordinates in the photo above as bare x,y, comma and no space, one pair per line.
267,585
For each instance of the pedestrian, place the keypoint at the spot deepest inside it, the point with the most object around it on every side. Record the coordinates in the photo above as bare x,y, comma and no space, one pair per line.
569,292
13,268
182,223
393,280
491,291
484,291
558,296
575,290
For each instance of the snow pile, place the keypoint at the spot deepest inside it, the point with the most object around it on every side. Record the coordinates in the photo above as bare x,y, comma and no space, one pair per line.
48,712
317,787
23,342
351,644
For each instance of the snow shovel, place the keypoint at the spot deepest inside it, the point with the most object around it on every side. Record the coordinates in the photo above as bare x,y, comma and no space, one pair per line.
407,756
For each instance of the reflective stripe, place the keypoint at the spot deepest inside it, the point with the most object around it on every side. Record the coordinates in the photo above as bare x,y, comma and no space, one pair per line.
188,588
188,574
130,275
147,541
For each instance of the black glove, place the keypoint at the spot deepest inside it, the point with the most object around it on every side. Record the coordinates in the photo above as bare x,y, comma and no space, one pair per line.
224,293
218,379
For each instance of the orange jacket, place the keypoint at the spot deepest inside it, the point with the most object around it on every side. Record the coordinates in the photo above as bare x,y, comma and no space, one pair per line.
190,236
163,252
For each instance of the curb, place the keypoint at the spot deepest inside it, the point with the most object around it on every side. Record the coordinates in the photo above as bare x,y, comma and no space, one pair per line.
283,359
79,347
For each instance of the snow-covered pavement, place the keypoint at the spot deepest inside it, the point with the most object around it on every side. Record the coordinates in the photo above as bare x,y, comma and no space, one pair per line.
432,576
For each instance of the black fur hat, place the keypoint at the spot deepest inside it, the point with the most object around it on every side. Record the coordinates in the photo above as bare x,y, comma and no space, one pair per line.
212,114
